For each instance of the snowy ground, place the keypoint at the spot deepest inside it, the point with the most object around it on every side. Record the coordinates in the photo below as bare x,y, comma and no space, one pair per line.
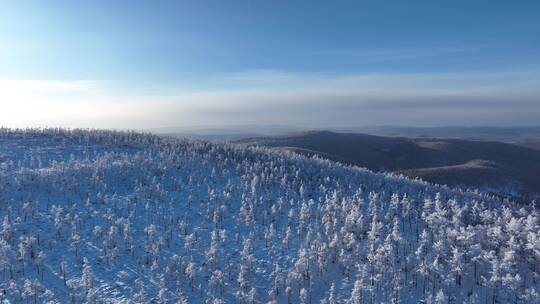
97,216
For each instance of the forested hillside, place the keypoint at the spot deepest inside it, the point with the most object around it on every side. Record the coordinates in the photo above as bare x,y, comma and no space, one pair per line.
97,216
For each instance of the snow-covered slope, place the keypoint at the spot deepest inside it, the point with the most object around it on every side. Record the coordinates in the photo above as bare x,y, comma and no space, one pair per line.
95,216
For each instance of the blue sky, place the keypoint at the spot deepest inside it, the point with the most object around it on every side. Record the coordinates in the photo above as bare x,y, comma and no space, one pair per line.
310,63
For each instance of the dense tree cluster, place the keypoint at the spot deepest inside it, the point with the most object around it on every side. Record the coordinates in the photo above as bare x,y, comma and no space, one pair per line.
92,216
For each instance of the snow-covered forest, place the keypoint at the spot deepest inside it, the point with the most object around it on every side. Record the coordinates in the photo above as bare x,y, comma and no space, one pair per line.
103,216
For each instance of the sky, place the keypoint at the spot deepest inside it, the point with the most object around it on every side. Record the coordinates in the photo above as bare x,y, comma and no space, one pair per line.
316,64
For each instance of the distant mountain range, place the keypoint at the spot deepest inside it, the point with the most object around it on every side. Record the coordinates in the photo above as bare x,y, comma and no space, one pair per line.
524,135
494,167
528,136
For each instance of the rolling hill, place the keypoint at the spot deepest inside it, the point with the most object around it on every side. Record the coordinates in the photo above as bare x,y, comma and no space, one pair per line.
122,217
492,166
